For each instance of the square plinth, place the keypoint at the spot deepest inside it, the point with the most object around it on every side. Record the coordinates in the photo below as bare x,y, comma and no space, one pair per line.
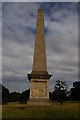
39,89
39,93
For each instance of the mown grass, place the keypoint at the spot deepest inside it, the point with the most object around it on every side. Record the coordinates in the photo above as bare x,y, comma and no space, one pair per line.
0,112
17,110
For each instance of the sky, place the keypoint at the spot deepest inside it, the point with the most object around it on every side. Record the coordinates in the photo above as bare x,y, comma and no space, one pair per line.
40,0
18,39
0,42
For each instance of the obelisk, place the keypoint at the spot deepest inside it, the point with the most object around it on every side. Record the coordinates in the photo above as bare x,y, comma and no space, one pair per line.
39,77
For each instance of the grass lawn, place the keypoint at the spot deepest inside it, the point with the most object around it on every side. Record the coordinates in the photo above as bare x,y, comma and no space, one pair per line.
0,112
17,110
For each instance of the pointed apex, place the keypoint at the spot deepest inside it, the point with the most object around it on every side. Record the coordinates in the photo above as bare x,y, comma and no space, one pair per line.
40,13
40,9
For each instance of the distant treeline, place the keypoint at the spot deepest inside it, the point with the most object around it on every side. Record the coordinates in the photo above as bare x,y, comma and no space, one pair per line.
73,94
14,96
63,95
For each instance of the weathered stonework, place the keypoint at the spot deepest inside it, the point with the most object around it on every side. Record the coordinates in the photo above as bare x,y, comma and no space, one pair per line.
39,77
39,61
39,89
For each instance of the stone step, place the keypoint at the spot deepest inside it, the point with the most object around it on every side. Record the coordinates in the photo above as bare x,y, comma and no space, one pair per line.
39,102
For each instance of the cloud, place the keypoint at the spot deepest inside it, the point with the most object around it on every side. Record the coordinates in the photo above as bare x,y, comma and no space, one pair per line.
61,36
40,0
0,42
62,43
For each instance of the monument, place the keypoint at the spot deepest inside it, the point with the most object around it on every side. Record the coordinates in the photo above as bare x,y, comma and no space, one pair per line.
39,77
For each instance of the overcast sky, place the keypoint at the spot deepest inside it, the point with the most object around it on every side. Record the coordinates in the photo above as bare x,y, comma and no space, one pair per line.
40,0
18,39
0,42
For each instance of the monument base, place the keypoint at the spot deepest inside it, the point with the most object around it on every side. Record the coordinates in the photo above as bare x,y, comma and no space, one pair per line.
39,102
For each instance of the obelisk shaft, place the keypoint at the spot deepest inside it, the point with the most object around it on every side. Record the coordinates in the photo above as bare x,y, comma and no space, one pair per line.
39,77
39,60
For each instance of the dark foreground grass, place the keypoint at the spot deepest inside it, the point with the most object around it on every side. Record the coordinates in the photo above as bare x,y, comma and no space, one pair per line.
68,110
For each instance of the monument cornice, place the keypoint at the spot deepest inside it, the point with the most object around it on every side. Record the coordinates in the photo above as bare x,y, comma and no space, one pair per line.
39,75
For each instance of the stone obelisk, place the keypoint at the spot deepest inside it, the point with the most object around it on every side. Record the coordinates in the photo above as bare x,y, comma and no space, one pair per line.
39,77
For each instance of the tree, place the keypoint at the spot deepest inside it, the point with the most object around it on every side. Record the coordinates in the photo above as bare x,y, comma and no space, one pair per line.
60,91
75,91
25,96
0,94
14,97
5,95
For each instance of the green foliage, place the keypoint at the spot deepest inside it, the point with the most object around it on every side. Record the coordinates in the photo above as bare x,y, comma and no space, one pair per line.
60,91
14,96
75,91
25,96
5,95
0,94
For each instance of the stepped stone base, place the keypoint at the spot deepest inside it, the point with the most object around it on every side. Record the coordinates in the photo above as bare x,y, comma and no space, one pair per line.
39,102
